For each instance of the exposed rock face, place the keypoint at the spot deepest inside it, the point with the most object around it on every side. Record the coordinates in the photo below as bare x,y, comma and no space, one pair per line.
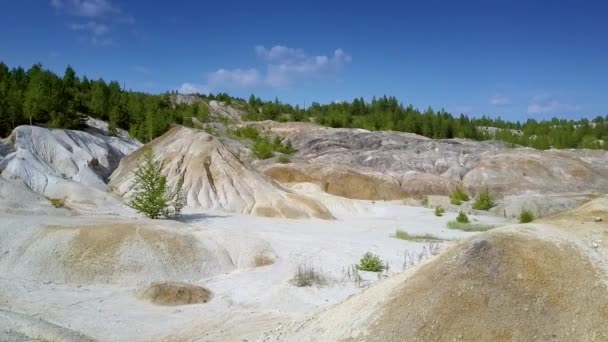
413,165
214,178
488,288
49,161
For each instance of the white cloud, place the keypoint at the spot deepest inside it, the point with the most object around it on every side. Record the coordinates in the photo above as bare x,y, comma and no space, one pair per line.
92,27
547,104
190,88
236,77
283,66
86,8
499,100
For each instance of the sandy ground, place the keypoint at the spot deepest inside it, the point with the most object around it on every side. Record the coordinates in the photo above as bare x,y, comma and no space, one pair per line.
248,301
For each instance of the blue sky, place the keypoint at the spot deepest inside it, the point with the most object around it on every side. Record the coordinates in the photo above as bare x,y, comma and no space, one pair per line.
517,59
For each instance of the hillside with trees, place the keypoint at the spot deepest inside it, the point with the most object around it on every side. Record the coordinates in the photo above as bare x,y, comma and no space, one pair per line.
40,97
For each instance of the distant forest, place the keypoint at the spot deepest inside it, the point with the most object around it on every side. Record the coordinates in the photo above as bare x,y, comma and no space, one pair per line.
39,96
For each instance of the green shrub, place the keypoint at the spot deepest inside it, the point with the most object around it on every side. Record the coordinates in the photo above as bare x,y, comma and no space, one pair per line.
458,196
462,218
262,149
526,216
248,132
370,263
58,202
439,211
403,235
484,201
470,227
284,159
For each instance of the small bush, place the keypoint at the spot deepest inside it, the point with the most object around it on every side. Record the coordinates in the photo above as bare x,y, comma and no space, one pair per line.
526,216
470,227
403,235
462,218
458,196
247,132
58,202
263,149
484,201
284,159
370,263
307,276
425,201
439,211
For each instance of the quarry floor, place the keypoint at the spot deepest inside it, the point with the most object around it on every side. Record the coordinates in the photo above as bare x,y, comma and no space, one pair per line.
246,302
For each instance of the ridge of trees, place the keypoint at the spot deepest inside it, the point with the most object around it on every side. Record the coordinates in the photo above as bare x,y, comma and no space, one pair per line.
39,96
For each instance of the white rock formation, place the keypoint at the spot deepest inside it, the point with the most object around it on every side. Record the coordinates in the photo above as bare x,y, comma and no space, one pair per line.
214,178
69,164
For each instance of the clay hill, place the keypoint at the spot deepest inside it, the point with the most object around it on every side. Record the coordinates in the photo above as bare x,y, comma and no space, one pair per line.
536,282
388,165
214,178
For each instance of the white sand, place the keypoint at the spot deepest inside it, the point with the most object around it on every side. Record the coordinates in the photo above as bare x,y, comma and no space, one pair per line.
246,301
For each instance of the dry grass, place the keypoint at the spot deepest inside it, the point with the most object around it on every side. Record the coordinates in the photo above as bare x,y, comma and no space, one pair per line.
470,227
307,275
262,259
403,235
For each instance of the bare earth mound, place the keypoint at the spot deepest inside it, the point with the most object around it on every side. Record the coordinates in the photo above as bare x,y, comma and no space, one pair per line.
173,293
511,284
214,178
111,252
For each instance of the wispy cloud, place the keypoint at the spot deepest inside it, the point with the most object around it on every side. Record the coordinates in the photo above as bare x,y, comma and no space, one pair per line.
92,27
283,66
546,104
499,100
142,69
191,88
86,8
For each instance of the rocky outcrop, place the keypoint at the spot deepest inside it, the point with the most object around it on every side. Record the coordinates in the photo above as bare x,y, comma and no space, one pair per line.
409,164
68,164
213,178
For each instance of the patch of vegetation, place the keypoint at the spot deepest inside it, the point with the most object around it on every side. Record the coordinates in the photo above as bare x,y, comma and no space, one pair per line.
152,195
284,159
458,196
262,259
526,216
58,202
439,211
263,146
307,275
462,218
371,263
470,227
425,201
484,201
403,235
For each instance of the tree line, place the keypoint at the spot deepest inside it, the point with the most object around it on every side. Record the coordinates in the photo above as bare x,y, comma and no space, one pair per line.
40,97
387,113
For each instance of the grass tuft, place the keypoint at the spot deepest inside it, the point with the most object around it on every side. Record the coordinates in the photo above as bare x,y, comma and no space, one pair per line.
307,276
403,235
470,227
